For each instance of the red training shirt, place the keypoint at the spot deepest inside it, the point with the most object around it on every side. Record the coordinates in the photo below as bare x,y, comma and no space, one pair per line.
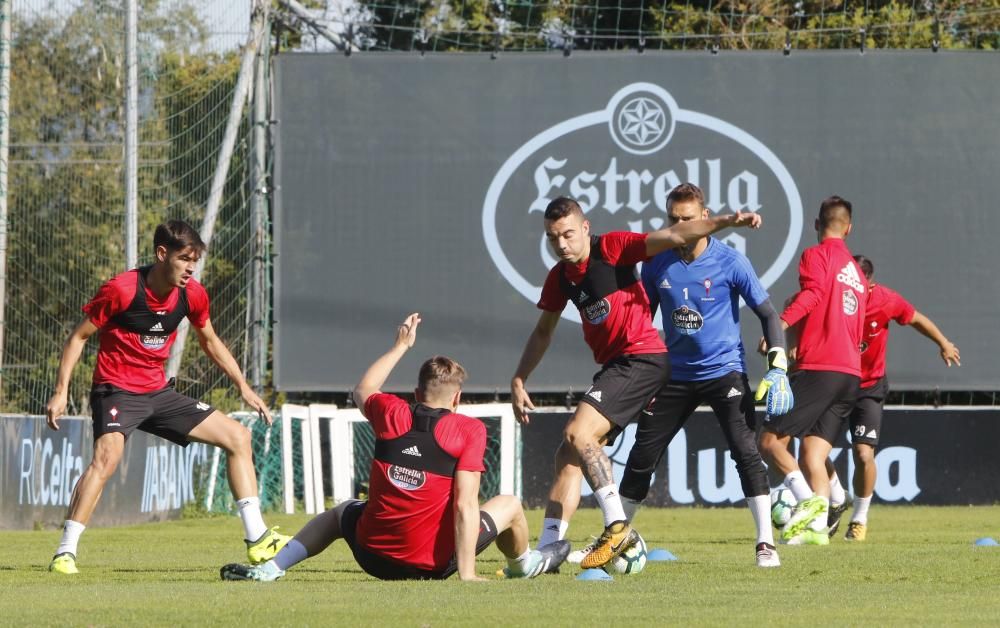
122,359
628,328
831,306
884,305
416,527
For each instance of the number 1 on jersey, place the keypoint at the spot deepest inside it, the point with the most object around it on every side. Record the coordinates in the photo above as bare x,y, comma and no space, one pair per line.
685,294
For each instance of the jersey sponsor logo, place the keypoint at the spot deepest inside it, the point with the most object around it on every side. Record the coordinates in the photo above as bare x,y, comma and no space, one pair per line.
665,284
406,478
687,321
153,342
849,275
412,451
157,327
597,312
617,158
583,297
850,303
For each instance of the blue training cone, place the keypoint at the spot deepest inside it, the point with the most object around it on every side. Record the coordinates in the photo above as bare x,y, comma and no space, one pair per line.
986,541
594,574
660,554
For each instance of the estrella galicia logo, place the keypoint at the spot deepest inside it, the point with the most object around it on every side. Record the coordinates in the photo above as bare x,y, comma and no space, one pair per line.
687,321
597,312
620,162
406,478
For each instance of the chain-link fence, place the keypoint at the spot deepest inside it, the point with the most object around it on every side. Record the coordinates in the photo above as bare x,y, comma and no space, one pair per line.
66,175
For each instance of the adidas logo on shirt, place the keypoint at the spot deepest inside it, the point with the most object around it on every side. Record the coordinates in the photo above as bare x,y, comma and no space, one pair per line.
849,275
733,393
583,296
412,451
157,327
665,283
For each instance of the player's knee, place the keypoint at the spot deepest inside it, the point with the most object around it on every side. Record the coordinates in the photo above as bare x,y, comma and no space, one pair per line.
864,455
237,439
104,463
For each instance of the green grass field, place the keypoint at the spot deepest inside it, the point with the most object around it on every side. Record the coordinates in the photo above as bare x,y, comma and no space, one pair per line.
919,566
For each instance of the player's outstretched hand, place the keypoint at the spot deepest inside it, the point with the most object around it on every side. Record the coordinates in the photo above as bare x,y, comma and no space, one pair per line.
406,334
521,402
949,353
55,409
253,400
752,220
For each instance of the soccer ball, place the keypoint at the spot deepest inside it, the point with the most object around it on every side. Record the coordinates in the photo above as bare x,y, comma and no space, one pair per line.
782,506
631,561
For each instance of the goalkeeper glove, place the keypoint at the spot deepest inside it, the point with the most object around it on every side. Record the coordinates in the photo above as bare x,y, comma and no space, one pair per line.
775,384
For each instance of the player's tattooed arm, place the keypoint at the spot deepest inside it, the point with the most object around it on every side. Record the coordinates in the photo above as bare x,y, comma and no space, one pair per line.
596,467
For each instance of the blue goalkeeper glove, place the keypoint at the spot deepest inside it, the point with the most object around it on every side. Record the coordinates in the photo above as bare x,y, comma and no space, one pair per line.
775,384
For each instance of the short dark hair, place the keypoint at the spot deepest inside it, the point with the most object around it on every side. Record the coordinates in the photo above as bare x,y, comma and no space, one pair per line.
177,235
866,266
685,192
440,372
561,207
833,209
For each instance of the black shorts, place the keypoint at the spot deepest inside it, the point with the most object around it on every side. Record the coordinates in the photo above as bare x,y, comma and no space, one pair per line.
866,418
165,413
823,402
625,386
388,569
731,400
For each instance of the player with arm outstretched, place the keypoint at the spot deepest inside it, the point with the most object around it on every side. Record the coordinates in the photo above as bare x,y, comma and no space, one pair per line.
697,288
422,519
598,274
884,306
136,315
830,311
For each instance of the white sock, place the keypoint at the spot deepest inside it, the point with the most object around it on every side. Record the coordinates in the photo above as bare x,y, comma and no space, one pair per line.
796,483
819,523
610,503
70,537
520,564
291,554
760,508
837,493
253,521
552,530
861,505
630,506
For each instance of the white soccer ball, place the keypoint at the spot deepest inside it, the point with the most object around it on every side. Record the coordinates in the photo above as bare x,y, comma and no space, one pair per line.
631,561
783,504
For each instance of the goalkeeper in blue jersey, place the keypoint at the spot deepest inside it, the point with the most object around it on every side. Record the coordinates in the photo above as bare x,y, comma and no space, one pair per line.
697,289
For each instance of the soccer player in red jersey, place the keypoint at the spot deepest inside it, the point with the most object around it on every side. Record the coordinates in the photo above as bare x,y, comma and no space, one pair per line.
422,520
829,310
598,274
136,314
884,305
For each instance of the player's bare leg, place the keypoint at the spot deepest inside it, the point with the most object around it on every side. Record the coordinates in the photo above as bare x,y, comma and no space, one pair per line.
865,473
585,433
564,496
221,431
108,450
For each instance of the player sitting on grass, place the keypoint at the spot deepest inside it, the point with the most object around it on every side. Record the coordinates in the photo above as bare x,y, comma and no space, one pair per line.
422,520
137,314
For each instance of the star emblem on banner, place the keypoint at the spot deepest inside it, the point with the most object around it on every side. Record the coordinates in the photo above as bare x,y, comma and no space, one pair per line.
641,121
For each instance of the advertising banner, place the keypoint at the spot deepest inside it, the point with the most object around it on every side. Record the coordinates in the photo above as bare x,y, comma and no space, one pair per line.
410,183
915,464
39,469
